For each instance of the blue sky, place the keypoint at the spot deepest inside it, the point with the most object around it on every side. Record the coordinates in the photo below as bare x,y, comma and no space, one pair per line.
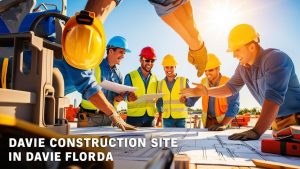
277,21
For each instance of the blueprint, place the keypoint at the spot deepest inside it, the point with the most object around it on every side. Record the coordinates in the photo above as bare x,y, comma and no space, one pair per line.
202,146
150,97
115,87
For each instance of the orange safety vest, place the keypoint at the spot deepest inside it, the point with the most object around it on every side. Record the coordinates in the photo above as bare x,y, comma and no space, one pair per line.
220,102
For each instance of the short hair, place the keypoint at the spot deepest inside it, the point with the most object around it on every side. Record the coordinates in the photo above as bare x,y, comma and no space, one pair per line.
107,50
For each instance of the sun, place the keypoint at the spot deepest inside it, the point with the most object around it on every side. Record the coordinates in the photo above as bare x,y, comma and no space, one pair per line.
221,15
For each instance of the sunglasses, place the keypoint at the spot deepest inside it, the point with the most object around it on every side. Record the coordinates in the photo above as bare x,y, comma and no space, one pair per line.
148,60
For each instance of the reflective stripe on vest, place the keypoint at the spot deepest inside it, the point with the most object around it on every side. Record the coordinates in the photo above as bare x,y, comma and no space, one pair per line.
85,103
4,72
138,109
172,106
220,103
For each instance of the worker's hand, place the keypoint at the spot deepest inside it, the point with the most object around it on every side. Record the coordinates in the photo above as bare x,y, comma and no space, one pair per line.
159,119
199,90
120,123
119,98
244,136
182,99
217,127
131,97
199,59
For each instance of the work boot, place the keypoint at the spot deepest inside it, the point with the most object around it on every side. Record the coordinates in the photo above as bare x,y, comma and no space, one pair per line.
199,59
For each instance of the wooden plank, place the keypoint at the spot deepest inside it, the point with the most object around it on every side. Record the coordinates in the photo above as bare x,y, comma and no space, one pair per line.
273,165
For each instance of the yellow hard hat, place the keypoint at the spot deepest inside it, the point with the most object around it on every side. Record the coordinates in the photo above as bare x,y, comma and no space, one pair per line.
241,35
169,60
83,41
212,62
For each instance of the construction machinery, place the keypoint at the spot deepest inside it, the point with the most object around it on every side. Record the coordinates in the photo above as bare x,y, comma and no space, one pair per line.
32,101
31,89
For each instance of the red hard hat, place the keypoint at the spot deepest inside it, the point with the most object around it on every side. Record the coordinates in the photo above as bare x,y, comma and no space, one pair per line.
148,53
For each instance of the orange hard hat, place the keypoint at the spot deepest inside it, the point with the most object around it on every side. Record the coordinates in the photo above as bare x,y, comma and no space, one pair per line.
148,53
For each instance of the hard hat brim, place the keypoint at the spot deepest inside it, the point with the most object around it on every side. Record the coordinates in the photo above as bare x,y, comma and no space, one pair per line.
128,51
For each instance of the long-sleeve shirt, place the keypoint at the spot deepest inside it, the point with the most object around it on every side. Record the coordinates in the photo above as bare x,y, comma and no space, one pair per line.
83,81
110,74
189,103
271,77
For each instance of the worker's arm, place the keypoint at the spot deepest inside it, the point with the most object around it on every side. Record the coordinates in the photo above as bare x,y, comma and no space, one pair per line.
268,115
159,106
100,101
233,86
233,108
102,8
85,83
190,101
201,90
129,96
232,111
222,91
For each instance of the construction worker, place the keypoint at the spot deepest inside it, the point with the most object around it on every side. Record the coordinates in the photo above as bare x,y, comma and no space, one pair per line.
80,61
141,114
115,50
217,112
177,14
173,107
269,75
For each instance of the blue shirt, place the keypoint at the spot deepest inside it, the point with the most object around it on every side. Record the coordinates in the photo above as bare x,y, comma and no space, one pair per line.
128,81
83,81
110,74
189,103
272,77
232,102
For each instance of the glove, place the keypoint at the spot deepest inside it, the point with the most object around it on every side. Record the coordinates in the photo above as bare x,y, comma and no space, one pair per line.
131,97
119,97
158,120
244,136
182,99
199,59
120,123
217,127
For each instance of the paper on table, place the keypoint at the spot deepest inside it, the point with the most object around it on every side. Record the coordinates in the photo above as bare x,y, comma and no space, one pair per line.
150,97
115,87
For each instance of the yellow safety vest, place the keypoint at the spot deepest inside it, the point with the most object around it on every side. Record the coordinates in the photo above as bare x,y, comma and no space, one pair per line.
138,109
172,106
85,103
220,102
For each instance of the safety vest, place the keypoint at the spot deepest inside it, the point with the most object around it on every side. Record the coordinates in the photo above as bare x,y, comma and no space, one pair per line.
172,106
138,109
4,73
85,103
220,102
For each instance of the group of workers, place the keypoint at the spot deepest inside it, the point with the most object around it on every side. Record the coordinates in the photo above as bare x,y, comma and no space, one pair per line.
268,73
